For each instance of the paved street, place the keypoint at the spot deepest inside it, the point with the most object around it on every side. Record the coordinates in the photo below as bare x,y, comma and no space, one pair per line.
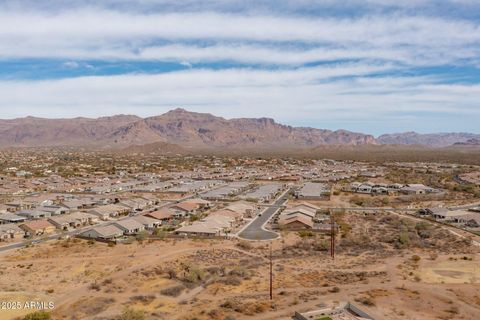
255,231
55,236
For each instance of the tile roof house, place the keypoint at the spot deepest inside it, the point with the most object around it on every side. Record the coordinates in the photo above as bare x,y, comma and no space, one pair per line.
185,206
296,222
37,227
163,214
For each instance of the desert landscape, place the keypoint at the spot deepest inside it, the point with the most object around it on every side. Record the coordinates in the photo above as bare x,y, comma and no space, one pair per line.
433,275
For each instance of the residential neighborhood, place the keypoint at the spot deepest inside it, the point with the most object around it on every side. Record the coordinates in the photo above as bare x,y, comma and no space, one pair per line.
215,212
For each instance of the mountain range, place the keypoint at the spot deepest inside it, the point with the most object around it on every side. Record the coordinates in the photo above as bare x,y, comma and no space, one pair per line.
183,129
429,139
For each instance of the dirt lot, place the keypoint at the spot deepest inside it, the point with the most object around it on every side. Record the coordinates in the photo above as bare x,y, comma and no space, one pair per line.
392,267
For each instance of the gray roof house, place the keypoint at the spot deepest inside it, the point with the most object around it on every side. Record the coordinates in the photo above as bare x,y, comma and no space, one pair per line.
129,226
11,218
148,223
109,232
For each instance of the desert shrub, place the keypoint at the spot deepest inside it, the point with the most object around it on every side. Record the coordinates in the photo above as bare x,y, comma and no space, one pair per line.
195,275
172,273
141,236
38,315
132,314
232,281
404,239
367,301
415,258
239,272
143,299
306,233
245,245
94,286
160,233
334,289
423,229
321,245
172,291
216,270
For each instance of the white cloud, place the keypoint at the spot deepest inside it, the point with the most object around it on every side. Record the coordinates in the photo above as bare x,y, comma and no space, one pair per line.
103,34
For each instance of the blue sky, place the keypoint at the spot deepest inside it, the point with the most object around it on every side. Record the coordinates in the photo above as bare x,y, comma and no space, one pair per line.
375,66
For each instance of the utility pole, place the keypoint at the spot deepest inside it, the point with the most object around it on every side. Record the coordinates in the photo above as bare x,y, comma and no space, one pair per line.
332,235
271,273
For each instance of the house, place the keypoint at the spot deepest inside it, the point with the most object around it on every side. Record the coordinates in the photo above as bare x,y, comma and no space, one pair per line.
54,210
296,222
77,204
473,222
380,190
237,217
136,204
201,203
11,218
34,214
352,187
20,205
417,189
224,223
37,227
110,210
73,220
210,226
148,223
245,208
197,229
307,206
314,191
129,226
470,219
448,215
10,231
164,214
110,232
185,208
299,211
365,188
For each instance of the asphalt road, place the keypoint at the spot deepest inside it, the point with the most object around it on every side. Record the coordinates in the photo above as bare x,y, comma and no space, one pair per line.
255,231
54,236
